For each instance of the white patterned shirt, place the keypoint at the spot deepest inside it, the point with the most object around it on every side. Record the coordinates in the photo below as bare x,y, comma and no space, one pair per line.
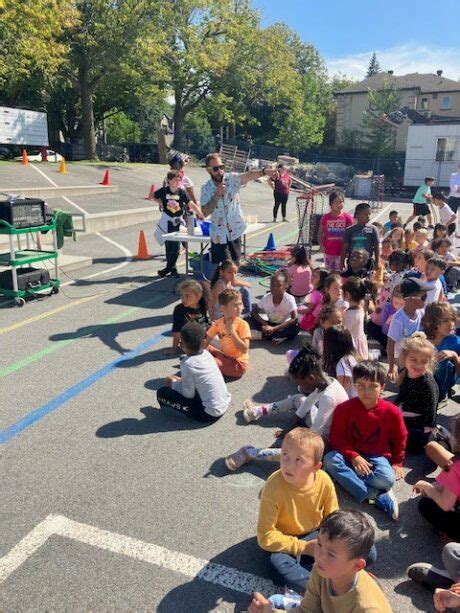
227,223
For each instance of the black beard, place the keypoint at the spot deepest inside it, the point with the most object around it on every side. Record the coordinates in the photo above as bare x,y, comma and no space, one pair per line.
218,179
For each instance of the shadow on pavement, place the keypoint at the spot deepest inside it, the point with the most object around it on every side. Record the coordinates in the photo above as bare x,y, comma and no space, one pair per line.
202,596
151,356
153,422
108,333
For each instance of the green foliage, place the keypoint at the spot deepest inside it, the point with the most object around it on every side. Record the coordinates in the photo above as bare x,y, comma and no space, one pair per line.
121,129
379,136
198,134
31,47
374,66
83,60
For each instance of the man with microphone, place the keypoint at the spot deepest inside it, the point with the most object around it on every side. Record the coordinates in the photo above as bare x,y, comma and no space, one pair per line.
220,198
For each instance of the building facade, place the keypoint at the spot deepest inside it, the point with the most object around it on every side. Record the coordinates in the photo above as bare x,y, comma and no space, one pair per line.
432,95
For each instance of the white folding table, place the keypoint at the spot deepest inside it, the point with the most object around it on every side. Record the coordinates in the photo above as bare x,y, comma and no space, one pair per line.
197,238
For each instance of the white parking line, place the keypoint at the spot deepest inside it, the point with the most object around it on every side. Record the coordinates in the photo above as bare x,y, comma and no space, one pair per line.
181,563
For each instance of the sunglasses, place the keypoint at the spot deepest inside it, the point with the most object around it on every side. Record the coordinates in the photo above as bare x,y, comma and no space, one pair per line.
423,297
216,168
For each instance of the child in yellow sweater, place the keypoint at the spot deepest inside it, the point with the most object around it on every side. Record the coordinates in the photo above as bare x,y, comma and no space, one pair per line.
293,504
338,581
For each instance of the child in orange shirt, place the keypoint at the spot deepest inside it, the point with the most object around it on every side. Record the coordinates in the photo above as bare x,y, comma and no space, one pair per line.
234,335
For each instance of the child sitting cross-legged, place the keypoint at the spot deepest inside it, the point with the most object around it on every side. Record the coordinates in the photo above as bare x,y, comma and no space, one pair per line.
359,265
440,500
368,439
293,502
200,392
329,316
280,311
418,391
338,582
313,405
193,307
225,277
340,357
234,335
439,324
311,306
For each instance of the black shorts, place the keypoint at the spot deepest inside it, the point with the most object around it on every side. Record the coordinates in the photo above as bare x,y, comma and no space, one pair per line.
421,209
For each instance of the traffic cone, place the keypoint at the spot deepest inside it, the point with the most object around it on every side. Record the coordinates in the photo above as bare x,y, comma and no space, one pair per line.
271,245
62,168
25,159
106,179
142,251
151,192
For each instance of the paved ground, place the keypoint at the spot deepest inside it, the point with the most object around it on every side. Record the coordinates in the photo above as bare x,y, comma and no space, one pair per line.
133,181
137,499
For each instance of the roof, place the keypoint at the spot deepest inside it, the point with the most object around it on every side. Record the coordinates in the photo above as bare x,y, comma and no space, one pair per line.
424,82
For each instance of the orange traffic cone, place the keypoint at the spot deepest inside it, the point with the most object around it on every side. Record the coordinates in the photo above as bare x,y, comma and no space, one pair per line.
142,251
62,168
106,179
151,192
25,159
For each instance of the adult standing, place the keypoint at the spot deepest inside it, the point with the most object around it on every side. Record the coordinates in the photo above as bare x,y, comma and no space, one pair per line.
220,198
281,184
454,191
421,200
177,163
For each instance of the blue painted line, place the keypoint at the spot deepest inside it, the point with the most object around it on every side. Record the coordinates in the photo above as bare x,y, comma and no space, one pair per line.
54,404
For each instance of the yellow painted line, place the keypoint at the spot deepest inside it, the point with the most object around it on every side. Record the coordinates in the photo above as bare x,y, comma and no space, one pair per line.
35,318
77,302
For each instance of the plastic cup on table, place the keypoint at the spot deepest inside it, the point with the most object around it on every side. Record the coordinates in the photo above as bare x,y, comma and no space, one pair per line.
205,226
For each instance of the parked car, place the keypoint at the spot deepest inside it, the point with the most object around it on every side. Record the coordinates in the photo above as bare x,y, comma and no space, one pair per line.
5,153
52,156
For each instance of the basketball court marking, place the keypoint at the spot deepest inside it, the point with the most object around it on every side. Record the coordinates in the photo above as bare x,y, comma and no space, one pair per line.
181,563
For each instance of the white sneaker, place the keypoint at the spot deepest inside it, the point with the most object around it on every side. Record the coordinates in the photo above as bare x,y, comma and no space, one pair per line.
251,412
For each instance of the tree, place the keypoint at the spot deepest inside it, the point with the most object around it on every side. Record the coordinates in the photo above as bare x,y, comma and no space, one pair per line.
380,137
113,43
32,48
201,38
374,66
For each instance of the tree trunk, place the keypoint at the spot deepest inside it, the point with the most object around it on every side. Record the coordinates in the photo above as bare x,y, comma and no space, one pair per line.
89,135
162,149
179,117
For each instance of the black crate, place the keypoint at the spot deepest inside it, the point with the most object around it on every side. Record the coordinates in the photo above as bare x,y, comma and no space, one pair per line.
28,278
23,212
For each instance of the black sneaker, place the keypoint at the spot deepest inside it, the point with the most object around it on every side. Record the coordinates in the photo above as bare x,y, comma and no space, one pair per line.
163,272
429,576
174,272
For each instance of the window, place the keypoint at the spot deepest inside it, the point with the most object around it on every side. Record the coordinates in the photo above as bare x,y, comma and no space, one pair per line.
424,104
445,103
445,149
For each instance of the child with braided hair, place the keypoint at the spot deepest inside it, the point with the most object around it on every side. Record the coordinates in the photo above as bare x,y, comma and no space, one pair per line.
314,405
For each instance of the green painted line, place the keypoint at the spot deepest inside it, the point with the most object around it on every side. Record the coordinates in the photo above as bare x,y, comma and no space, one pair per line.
50,349
34,357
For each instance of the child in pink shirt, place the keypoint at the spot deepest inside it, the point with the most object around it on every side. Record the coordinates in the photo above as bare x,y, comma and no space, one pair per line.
299,272
313,302
332,227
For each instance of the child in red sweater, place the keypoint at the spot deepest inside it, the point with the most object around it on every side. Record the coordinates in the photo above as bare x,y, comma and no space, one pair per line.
368,438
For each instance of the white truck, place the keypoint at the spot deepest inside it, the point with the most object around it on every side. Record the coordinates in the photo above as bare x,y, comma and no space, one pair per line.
23,127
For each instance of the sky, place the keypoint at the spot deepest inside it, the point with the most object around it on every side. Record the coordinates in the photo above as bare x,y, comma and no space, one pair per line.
407,35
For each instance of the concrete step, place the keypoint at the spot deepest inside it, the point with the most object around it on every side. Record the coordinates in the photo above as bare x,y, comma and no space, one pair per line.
59,191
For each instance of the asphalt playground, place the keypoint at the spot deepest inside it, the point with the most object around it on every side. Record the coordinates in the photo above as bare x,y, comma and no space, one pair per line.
109,503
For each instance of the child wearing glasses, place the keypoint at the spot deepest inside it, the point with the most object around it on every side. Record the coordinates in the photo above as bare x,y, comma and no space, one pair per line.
407,320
